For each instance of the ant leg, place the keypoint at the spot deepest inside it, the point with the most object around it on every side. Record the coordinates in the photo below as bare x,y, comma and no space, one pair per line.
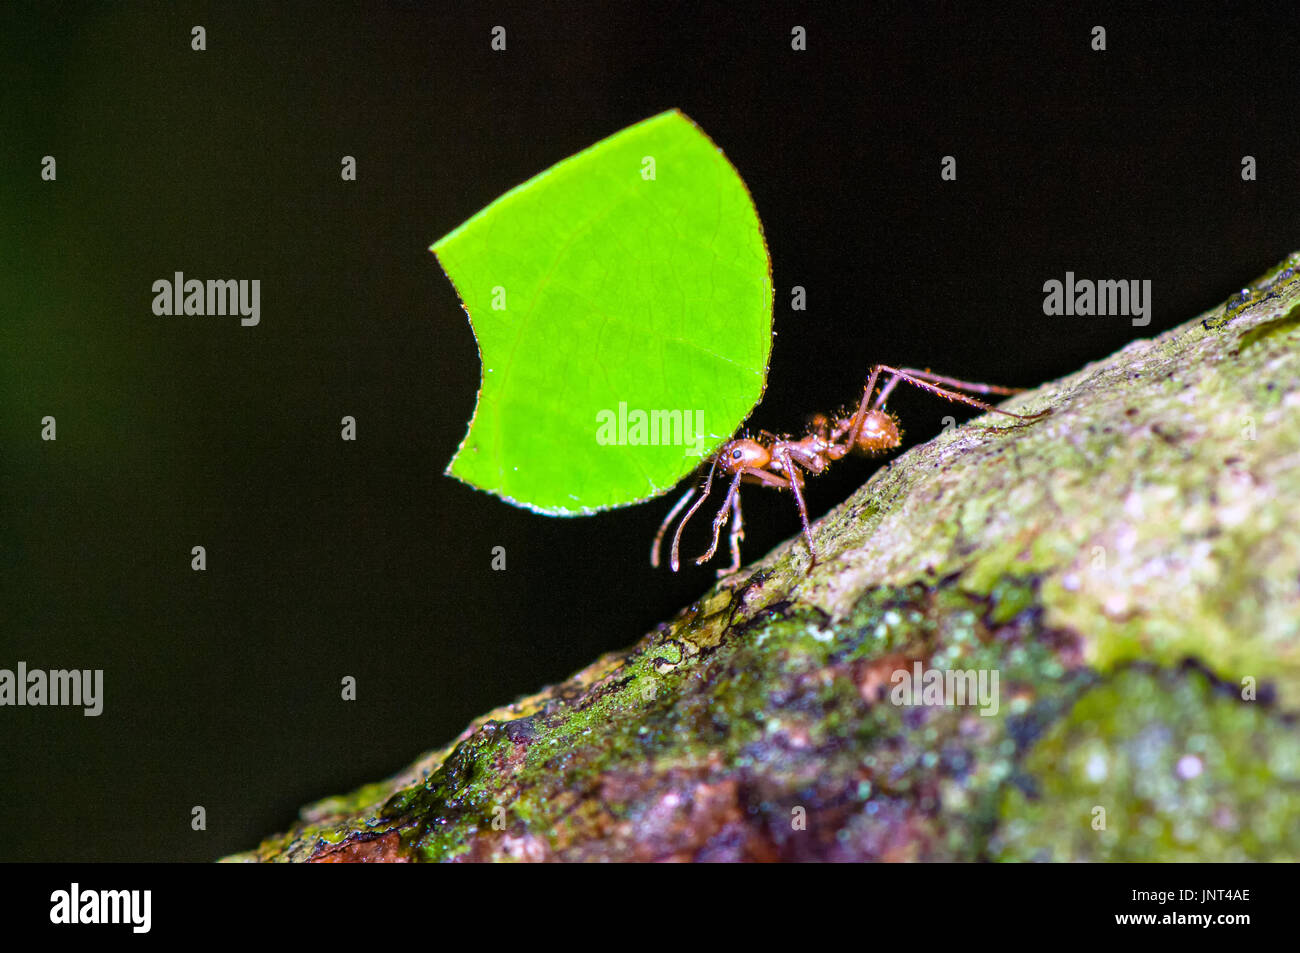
763,478
949,394
856,430
886,391
793,477
737,519
677,537
950,381
960,385
733,492
737,534
663,527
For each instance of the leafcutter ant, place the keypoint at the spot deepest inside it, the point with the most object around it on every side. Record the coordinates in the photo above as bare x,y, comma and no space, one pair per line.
782,462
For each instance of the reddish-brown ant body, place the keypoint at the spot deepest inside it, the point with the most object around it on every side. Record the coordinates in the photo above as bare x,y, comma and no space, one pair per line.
781,461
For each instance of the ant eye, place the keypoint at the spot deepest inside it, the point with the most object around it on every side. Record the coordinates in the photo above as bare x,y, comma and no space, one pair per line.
736,454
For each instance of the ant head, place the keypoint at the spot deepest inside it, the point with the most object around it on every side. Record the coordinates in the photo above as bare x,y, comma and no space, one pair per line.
879,432
742,453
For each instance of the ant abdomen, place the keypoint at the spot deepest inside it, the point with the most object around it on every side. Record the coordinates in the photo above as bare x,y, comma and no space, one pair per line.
879,432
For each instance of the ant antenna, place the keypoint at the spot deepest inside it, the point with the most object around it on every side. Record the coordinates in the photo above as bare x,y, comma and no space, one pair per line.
674,561
663,527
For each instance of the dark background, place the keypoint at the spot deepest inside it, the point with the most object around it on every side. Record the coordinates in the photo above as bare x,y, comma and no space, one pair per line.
328,558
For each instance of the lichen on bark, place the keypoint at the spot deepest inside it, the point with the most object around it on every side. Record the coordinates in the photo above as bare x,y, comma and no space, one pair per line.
1129,566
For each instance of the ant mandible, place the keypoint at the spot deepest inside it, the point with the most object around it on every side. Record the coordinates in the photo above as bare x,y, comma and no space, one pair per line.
780,461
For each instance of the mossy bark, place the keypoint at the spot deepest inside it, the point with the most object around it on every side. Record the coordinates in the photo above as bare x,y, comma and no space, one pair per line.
1128,566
